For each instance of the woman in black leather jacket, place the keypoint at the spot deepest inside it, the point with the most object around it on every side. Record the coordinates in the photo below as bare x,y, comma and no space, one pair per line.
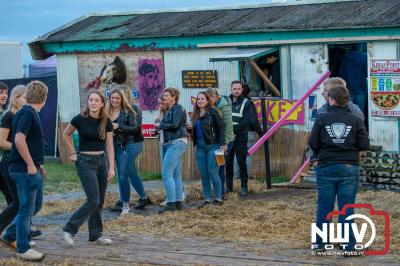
173,126
208,136
128,143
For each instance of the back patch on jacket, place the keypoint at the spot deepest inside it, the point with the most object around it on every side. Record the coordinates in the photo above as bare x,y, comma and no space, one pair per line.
338,132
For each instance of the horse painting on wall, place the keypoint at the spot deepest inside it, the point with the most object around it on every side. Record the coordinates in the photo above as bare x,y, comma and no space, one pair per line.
150,82
114,72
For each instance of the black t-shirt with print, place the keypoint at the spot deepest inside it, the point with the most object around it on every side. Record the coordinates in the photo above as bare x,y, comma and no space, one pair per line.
88,130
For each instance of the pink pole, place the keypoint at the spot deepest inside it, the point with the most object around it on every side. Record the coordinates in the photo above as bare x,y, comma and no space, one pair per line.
298,173
272,130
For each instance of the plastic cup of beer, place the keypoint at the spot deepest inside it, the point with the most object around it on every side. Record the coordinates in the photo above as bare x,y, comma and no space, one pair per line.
220,157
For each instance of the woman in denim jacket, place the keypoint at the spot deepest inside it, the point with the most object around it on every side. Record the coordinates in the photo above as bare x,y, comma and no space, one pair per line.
173,126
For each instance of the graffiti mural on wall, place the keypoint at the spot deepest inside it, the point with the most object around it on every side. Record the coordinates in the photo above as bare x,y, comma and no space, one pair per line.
114,72
381,170
150,82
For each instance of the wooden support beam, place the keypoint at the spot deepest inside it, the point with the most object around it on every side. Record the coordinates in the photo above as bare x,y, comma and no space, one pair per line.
264,77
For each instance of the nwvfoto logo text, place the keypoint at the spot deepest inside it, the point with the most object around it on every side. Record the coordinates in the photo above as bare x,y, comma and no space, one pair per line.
339,234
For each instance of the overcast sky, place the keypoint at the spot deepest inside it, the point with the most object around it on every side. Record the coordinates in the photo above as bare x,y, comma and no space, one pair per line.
24,20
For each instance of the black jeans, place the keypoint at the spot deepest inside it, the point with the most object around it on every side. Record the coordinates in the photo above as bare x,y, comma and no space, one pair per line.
9,212
92,171
239,149
4,184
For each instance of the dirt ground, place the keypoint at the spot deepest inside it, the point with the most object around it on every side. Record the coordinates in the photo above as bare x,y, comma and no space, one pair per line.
269,227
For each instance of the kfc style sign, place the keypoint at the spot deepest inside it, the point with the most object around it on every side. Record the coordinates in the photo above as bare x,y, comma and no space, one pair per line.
276,108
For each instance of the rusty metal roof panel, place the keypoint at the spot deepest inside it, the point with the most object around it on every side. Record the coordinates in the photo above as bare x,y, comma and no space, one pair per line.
332,15
75,29
112,27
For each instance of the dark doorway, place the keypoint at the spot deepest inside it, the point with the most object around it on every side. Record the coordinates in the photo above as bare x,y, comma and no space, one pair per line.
350,62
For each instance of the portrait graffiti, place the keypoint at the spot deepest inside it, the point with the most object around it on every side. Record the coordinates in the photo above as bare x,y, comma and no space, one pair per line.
150,82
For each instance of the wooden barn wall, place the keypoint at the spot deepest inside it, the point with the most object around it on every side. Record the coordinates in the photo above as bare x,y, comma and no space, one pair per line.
286,156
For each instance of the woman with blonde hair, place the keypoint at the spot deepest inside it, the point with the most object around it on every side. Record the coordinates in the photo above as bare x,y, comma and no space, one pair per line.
94,166
17,100
128,144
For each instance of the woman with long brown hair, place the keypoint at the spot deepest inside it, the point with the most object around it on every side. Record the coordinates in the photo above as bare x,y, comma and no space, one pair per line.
173,126
95,137
128,144
208,136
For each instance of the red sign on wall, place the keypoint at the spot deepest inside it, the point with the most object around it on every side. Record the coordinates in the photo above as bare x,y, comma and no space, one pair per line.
148,131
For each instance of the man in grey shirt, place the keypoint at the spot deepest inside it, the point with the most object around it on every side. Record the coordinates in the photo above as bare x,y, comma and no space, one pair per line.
354,109
331,82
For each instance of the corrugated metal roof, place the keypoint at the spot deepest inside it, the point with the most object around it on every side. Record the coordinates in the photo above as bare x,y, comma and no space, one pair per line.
336,15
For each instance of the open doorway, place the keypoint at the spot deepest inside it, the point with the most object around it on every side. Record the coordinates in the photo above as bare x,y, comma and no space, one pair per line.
270,66
350,62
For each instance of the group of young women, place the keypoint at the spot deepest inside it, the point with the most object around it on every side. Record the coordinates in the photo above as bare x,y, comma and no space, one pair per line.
110,134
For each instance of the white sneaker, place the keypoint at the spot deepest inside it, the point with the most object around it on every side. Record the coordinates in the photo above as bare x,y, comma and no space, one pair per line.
68,238
125,209
32,243
183,196
103,241
31,255
164,203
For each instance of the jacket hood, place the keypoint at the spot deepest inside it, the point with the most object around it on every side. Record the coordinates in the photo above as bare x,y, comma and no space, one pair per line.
224,101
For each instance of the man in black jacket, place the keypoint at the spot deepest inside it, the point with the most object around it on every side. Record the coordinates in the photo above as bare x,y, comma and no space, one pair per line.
254,126
336,138
241,117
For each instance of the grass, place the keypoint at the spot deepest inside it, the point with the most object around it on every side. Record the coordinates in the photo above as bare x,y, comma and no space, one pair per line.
62,178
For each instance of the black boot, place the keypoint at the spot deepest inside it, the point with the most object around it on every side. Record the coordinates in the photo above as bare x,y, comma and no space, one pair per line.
35,233
244,192
179,205
117,207
217,202
229,185
204,204
171,206
142,203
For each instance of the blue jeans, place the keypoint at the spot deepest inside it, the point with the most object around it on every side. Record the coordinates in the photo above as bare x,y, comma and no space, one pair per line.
127,172
30,193
341,181
359,98
208,168
171,169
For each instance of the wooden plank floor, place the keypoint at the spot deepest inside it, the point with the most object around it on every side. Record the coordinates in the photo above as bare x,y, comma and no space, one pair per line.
160,250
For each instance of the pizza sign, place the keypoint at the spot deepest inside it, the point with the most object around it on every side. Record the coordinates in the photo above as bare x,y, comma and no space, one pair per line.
385,87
